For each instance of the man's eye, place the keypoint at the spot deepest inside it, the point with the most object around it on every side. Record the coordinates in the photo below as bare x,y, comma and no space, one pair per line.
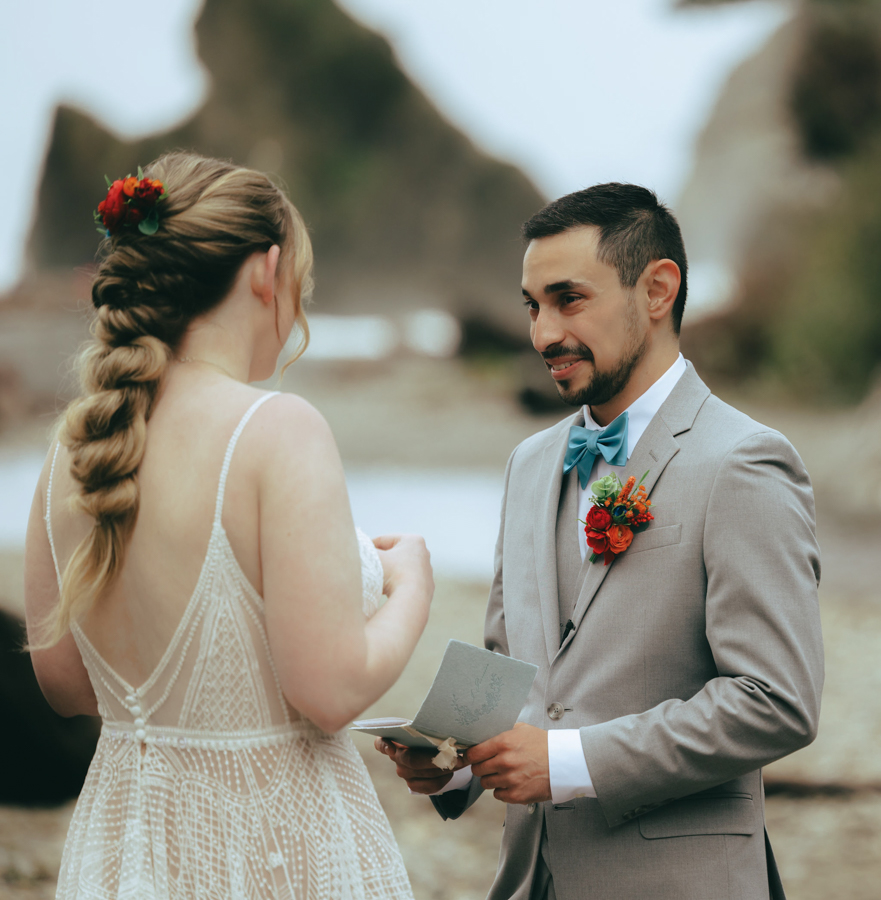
569,298
531,305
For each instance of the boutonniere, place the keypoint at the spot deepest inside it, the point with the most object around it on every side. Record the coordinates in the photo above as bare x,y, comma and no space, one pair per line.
619,511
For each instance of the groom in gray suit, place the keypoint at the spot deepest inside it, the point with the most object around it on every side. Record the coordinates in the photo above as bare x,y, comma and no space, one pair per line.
671,675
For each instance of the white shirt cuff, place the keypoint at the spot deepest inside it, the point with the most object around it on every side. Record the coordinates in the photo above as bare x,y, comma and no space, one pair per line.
567,766
460,780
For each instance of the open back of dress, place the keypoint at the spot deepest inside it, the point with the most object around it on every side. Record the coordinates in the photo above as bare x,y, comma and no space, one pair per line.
204,783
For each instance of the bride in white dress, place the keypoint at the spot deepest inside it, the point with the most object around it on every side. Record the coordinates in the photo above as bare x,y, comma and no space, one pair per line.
194,577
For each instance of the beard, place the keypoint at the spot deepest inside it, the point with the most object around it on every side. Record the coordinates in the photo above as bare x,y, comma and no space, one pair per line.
606,384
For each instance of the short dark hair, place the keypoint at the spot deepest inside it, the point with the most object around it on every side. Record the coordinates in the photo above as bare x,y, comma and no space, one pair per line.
635,230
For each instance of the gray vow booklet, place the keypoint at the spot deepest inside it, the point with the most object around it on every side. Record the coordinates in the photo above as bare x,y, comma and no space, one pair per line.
475,695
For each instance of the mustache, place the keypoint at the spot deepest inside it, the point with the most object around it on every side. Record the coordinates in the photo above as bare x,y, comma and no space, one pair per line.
580,351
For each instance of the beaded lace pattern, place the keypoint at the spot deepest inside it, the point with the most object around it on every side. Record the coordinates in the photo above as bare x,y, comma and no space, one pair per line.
205,784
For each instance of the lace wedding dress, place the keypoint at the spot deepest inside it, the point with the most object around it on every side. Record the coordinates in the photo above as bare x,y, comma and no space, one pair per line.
205,785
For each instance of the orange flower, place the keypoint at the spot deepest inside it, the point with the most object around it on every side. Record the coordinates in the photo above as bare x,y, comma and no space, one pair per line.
129,185
625,491
620,537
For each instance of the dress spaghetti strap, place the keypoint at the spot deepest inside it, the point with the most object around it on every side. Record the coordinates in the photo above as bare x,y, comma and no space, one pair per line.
224,472
230,447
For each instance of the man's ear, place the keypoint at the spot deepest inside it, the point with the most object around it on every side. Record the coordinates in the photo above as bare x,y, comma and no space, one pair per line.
263,275
662,286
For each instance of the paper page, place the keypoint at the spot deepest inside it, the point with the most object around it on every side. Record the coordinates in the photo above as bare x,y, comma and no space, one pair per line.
476,694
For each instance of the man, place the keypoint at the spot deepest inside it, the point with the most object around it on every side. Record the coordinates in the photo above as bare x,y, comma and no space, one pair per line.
670,676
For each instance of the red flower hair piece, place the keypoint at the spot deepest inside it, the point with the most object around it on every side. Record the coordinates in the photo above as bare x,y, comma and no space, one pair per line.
130,201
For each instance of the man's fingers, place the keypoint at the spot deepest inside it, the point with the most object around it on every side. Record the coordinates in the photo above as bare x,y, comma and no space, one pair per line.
409,774
404,756
493,766
416,759
494,782
480,752
427,785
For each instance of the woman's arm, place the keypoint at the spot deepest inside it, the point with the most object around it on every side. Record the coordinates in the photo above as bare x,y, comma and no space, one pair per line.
332,663
60,671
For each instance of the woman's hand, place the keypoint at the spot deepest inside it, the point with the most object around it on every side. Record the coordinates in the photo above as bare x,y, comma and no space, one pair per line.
405,559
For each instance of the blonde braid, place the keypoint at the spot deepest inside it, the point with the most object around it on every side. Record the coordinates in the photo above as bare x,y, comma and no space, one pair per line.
105,433
147,291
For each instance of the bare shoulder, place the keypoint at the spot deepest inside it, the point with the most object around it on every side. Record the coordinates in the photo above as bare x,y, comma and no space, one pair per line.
289,443
287,425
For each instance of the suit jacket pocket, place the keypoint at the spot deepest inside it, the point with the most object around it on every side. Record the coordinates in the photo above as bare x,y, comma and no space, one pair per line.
652,538
726,814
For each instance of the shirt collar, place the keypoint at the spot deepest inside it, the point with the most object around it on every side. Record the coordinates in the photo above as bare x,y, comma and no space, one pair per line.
644,408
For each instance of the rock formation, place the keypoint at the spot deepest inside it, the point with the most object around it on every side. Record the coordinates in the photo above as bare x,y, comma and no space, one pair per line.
405,212
785,197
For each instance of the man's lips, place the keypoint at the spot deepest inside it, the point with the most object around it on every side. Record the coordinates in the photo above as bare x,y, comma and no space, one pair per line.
563,368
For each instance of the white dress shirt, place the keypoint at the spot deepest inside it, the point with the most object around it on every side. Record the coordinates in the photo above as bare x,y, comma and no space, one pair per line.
566,763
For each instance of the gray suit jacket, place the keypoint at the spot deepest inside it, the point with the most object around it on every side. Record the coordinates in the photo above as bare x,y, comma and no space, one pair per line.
696,658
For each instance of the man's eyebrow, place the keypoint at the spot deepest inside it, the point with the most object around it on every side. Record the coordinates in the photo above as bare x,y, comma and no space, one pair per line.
557,287
567,285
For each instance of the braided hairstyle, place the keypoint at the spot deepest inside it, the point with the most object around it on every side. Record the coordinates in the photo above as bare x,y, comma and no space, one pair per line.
147,290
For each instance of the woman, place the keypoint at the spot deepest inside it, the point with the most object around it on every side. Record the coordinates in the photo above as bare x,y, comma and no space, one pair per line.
193,574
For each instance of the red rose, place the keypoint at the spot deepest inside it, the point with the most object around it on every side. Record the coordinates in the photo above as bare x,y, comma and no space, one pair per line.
148,192
598,541
598,519
133,215
113,208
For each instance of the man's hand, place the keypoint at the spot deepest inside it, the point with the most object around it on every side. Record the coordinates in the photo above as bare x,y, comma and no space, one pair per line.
416,767
513,765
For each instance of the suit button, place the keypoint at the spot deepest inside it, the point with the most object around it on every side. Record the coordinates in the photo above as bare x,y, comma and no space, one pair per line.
531,808
555,710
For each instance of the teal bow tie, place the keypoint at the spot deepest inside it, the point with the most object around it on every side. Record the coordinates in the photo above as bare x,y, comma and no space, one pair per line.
585,445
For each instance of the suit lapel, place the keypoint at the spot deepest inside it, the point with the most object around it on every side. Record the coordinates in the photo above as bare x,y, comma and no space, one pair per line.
655,449
547,500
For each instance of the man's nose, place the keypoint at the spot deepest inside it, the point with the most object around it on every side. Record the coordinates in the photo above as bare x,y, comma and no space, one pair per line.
546,331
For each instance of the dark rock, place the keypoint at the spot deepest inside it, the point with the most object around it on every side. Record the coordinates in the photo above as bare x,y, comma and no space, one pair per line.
43,756
784,199
405,212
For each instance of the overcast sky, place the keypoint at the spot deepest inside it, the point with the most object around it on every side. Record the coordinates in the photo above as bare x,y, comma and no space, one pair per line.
573,91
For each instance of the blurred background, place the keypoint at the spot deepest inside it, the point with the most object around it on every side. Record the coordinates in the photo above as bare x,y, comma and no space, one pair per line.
415,137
